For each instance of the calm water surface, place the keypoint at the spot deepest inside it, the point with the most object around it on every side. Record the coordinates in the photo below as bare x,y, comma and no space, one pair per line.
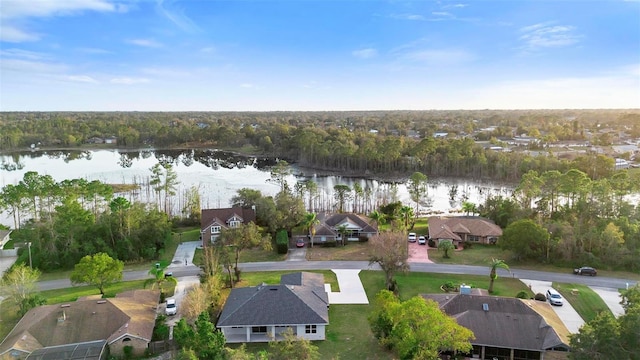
218,175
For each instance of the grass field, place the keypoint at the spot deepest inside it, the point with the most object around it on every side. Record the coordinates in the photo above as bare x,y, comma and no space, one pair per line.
351,251
586,302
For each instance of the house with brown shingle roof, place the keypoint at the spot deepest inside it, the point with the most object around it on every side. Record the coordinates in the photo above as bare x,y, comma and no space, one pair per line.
507,328
262,313
214,220
355,228
126,320
461,229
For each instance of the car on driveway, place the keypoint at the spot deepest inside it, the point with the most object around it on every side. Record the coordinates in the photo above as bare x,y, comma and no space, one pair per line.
300,243
422,240
586,270
554,297
412,237
171,307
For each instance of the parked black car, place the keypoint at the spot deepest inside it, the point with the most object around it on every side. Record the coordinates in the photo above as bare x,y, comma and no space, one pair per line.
585,270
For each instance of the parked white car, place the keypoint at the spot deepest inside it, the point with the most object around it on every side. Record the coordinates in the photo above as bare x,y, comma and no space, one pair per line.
412,237
554,297
171,309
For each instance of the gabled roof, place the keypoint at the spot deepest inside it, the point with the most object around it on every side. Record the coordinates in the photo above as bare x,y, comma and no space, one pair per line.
506,322
283,304
131,313
350,220
208,216
444,233
473,225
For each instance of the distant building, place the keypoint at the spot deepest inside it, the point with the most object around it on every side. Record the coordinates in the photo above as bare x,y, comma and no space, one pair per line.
622,164
214,220
440,134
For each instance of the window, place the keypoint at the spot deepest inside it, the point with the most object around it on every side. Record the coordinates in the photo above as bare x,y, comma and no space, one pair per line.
474,238
215,229
234,223
214,238
310,329
126,339
259,329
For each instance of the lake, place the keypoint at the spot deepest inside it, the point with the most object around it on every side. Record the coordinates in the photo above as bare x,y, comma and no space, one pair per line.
219,174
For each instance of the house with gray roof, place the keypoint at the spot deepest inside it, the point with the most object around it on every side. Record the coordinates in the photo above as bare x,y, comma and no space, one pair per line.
355,227
265,312
212,221
460,229
90,328
507,328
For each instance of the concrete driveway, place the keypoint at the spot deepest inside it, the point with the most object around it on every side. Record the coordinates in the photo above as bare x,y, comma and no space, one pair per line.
611,297
566,312
184,254
419,253
297,254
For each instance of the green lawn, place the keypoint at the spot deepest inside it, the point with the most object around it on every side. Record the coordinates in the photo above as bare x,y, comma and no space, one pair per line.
479,254
586,302
249,255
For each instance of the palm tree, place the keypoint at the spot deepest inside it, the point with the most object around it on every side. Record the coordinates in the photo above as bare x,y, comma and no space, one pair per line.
378,217
310,221
469,207
495,264
406,213
342,229
157,271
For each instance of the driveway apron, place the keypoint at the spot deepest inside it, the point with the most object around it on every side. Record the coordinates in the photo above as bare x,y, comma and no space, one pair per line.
566,312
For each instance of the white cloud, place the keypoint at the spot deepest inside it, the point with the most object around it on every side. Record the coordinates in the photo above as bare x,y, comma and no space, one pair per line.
23,54
81,78
441,13
12,34
176,16
547,35
413,17
129,80
247,86
166,72
29,66
94,50
150,43
22,9
366,53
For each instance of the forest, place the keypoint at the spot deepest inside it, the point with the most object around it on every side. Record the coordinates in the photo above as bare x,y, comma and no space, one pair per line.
387,144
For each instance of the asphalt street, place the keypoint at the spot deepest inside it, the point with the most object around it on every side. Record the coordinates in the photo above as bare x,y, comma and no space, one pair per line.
191,270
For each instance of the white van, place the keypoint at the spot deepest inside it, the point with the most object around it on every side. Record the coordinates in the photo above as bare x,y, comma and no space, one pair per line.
171,307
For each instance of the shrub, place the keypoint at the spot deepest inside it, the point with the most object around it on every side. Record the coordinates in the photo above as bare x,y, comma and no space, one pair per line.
522,295
431,243
362,238
449,286
282,241
128,352
467,245
540,297
330,243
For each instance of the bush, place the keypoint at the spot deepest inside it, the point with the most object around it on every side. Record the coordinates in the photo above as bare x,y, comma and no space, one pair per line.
282,242
467,245
522,295
540,297
362,238
449,286
330,243
128,352
431,243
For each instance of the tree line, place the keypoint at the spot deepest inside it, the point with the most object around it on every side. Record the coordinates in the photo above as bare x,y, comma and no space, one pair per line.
570,218
64,221
369,143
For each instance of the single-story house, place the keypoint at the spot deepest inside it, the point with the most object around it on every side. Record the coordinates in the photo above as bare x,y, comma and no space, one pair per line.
265,312
355,227
507,328
460,229
212,221
126,320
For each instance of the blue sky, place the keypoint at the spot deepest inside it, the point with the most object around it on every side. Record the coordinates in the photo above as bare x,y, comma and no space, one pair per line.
244,55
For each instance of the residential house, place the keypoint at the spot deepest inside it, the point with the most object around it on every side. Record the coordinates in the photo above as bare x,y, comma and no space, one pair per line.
111,140
461,229
4,237
214,220
95,140
89,324
507,328
355,228
262,313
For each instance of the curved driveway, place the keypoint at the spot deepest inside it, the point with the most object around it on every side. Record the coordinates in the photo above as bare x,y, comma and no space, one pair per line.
598,281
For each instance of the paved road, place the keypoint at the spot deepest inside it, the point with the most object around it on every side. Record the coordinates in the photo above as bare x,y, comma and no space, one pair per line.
191,270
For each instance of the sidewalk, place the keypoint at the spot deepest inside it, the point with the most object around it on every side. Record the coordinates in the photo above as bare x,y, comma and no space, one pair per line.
611,298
